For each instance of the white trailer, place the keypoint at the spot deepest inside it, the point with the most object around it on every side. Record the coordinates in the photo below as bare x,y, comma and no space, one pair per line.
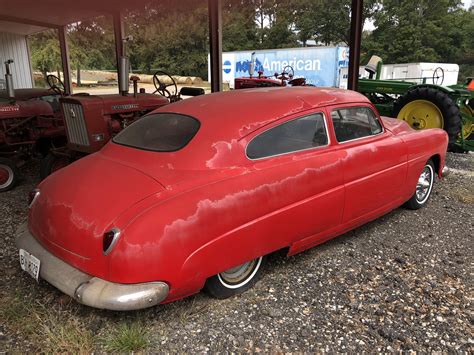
416,72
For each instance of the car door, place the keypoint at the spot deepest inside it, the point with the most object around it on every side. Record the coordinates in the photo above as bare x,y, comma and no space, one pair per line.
296,178
374,162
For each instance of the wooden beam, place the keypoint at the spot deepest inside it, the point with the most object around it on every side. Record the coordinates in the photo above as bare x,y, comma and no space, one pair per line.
65,59
215,43
25,21
354,45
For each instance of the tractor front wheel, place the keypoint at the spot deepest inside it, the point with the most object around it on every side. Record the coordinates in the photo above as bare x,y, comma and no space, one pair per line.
52,162
424,108
8,174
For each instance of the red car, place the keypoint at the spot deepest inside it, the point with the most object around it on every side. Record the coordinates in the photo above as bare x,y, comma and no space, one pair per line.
197,193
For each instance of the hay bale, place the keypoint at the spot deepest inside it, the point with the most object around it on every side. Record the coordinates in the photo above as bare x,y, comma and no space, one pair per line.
183,80
196,80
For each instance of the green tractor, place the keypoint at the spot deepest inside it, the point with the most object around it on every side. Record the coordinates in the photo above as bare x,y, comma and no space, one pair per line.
425,105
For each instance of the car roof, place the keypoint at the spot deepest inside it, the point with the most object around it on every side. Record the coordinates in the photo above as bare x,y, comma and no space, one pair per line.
239,112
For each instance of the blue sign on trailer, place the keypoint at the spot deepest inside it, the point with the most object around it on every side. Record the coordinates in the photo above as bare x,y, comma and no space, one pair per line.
319,65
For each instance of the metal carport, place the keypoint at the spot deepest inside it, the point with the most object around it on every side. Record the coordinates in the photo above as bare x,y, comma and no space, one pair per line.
31,16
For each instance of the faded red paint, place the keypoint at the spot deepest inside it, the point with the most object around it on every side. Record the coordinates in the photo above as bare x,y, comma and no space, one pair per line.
190,214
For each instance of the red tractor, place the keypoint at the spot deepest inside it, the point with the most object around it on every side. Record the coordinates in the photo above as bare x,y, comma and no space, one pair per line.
92,120
30,123
64,128
286,77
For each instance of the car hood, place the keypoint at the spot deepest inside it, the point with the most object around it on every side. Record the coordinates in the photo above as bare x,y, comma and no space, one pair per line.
79,203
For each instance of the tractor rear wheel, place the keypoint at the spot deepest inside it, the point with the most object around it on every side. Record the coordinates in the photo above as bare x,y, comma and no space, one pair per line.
425,107
468,125
8,174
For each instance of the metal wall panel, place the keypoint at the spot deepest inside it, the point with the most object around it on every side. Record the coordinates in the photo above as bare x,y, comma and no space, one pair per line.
13,46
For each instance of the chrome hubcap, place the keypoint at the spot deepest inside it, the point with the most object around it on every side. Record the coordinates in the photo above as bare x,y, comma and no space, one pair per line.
240,275
423,186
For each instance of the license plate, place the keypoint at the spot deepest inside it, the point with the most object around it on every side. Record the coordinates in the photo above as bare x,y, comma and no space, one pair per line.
30,264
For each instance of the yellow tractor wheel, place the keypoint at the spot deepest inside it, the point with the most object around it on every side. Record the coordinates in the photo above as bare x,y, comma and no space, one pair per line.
421,114
467,126
429,107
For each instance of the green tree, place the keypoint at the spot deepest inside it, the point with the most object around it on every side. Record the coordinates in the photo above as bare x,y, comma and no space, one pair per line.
275,24
325,21
172,36
414,31
238,25
45,53
91,44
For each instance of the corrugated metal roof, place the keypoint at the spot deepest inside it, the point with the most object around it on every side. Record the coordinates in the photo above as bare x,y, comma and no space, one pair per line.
30,16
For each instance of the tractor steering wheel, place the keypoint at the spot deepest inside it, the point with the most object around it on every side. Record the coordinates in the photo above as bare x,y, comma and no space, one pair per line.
438,76
286,74
288,70
56,84
161,87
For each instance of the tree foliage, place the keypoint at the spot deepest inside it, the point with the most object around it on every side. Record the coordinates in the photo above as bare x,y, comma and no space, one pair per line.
174,35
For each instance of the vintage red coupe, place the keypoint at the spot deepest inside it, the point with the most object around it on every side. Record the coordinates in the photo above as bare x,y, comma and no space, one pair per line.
197,193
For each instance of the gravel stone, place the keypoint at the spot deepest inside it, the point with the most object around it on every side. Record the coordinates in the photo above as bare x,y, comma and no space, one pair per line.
400,283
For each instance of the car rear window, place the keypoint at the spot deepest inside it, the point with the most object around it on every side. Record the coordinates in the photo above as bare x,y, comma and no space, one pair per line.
159,132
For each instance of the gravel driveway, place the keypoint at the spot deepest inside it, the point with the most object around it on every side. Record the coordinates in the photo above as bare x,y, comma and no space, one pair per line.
402,282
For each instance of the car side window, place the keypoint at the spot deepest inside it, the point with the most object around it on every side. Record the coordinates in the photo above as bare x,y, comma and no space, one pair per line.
355,122
299,134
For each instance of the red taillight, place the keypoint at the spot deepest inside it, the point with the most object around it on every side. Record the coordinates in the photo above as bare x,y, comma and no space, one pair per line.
109,240
32,196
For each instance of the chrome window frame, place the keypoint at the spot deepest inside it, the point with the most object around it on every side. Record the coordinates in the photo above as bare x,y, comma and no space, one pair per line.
293,151
357,139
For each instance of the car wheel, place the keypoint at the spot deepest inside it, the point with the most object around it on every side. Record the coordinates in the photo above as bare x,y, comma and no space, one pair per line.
424,187
8,174
235,280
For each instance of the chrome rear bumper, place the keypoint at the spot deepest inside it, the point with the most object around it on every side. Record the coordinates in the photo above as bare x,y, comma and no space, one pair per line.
86,289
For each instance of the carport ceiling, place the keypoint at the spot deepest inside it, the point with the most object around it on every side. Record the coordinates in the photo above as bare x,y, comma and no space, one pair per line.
31,16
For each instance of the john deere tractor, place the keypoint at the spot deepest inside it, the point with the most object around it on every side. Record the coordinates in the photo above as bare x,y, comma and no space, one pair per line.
425,105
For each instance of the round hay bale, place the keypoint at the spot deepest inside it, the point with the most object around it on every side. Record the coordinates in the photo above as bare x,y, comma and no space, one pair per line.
196,80
183,80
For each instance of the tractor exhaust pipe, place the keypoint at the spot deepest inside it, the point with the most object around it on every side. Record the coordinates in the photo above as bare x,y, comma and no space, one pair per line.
9,80
252,65
124,72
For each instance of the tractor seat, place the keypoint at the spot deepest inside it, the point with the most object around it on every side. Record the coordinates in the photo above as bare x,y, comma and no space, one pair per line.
191,91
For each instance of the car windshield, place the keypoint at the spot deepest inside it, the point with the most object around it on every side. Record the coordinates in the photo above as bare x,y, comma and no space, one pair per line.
159,132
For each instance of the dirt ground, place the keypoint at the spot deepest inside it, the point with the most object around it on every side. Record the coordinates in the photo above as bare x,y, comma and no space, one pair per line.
402,282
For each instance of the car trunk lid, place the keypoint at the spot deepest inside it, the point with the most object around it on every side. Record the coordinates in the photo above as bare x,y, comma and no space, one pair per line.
79,203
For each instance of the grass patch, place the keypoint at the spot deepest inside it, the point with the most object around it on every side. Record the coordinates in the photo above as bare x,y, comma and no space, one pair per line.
51,329
66,336
128,337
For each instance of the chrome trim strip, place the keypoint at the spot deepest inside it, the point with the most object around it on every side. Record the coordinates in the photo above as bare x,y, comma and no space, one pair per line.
358,139
37,193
